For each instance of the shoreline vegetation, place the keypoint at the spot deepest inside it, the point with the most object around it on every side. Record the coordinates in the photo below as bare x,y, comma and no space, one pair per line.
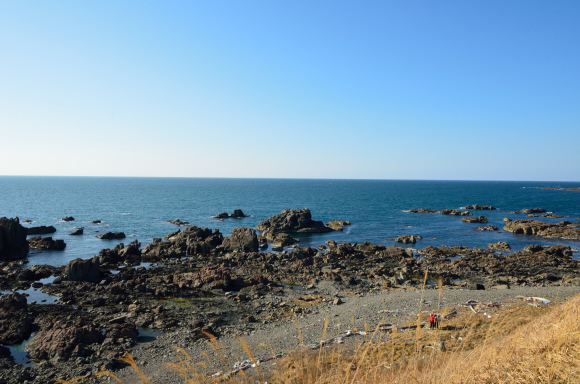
517,341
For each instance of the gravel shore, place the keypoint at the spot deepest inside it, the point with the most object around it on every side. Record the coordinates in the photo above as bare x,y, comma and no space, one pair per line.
397,307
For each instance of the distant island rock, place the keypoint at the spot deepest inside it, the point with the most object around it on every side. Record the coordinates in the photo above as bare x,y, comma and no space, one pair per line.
68,218
178,222
238,214
293,221
477,220
338,225
533,210
112,236
477,207
42,230
95,221
77,232
447,211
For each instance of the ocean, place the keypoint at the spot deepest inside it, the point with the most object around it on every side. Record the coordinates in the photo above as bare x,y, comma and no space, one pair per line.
140,207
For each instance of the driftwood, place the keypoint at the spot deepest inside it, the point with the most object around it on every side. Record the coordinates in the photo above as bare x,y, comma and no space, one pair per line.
534,299
339,339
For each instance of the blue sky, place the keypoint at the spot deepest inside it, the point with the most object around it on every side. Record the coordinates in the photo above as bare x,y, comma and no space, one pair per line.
479,90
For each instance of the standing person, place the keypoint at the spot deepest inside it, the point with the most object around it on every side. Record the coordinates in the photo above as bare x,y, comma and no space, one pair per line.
432,320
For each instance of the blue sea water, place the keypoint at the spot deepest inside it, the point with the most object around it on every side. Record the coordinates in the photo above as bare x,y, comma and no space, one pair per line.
376,208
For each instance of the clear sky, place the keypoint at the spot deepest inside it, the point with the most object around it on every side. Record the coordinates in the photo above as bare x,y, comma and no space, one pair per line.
484,90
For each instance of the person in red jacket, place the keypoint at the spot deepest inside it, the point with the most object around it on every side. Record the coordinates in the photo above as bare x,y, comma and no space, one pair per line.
432,320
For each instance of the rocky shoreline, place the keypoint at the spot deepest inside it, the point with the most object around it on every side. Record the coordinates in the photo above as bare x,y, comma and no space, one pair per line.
195,281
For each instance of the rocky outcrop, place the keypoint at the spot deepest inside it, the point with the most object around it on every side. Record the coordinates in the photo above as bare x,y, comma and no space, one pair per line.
112,236
560,230
455,212
95,221
83,270
408,239
192,241
552,216
42,230
238,214
46,244
243,240
178,222
65,339
13,244
490,228
77,232
282,239
68,218
15,322
480,219
477,207
500,246
293,221
338,225
533,210
447,212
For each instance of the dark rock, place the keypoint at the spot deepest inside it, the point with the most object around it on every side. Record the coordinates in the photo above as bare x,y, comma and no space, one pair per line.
500,246
13,244
534,248
338,225
539,228
552,216
423,210
112,235
179,223
242,239
477,207
533,210
293,221
95,222
76,232
64,339
487,228
221,215
408,239
68,218
83,270
480,219
238,214
42,230
46,244
455,212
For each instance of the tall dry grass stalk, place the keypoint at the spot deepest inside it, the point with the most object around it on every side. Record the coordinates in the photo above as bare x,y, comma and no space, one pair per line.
517,345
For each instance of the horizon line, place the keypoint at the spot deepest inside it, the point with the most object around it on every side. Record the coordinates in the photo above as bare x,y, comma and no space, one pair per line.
290,178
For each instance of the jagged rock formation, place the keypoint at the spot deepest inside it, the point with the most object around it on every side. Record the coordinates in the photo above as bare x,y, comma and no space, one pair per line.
560,230
13,244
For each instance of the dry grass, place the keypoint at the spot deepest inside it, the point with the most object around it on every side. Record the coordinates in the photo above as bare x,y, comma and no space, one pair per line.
515,344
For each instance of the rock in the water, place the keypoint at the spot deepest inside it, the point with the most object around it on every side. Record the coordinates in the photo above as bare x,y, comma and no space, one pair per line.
238,214
13,244
408,239
42,230
221,215
292,221
552,216
178,222
338,225
539,228
68,218
95,222
500,246
112,235
76,232
455,212
282,239
83,270
242,239
480,219
477,207
423,210
533,210
487,228
46,244
533,248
